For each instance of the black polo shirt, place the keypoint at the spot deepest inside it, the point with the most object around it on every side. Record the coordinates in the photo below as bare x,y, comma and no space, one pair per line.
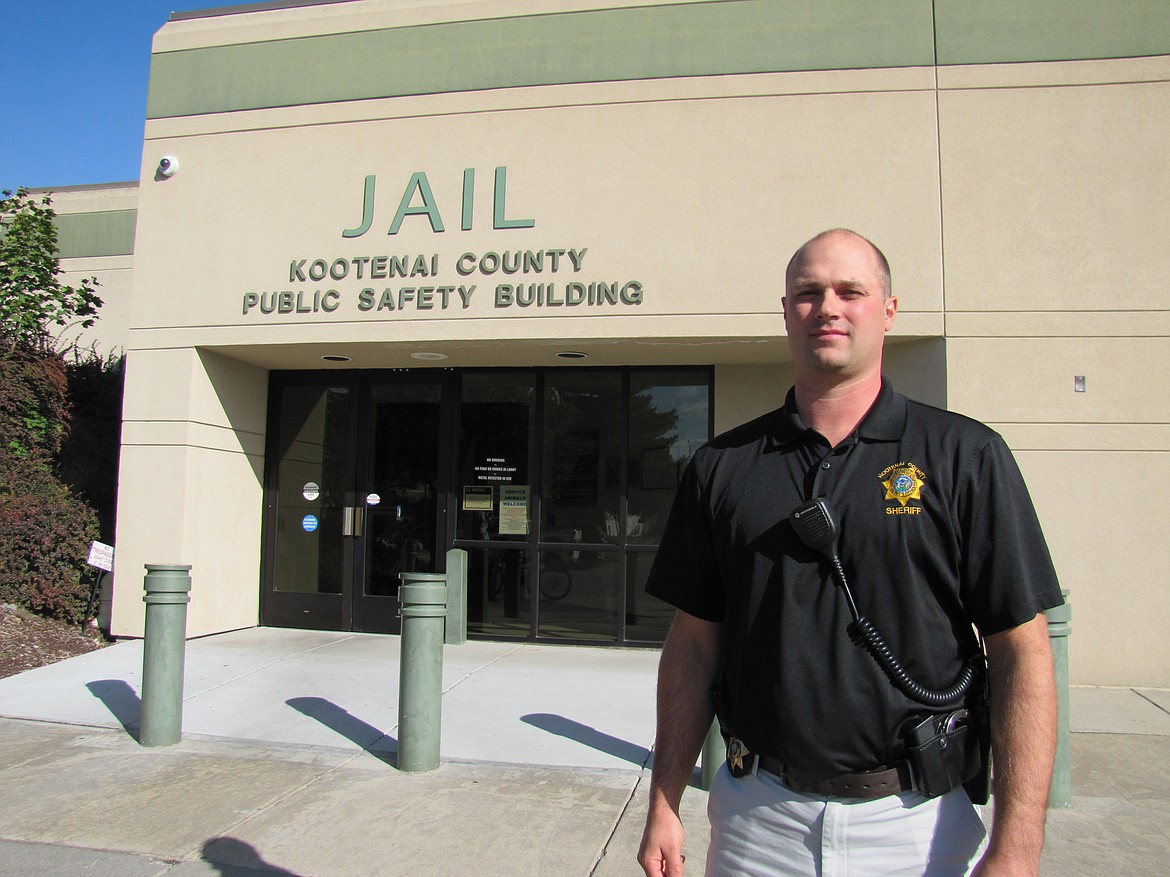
937,533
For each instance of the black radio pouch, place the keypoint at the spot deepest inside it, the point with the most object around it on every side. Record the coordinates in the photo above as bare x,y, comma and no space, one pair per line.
945,750
942,751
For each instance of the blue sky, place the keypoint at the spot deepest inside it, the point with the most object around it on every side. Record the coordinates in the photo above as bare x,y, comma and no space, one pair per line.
73,77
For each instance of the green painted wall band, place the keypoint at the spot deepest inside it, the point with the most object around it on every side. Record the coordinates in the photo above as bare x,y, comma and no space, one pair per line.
101,233
1010,31
686,39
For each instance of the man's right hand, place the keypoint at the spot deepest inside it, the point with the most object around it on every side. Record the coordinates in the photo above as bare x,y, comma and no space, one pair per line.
688,666
660,854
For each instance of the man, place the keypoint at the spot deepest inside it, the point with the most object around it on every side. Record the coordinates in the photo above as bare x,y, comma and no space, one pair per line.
937,534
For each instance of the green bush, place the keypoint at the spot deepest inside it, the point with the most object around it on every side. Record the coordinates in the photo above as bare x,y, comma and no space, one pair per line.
44,530
44,539
34,409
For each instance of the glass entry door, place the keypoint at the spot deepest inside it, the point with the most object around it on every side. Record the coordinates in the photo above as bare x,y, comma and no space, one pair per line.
396,515
353,497
564,481
557,482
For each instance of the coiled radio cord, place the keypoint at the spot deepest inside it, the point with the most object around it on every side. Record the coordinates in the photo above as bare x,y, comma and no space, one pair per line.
815,526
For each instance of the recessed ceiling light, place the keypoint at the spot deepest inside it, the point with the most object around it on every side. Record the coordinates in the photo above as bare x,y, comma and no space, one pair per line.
335,357
572,354
425,355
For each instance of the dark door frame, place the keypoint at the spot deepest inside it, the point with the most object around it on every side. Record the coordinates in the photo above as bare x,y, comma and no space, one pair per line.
289,609
337,611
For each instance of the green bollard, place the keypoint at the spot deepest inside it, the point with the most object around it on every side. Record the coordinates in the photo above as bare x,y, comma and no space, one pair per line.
168,588
456,627
1059,628
714,754
420,669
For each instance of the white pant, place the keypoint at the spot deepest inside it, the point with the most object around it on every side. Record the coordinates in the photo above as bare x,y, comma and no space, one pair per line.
761,828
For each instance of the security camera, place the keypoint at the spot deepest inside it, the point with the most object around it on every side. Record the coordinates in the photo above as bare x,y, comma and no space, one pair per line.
167,165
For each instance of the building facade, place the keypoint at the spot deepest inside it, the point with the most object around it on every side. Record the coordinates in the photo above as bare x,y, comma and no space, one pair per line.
408,276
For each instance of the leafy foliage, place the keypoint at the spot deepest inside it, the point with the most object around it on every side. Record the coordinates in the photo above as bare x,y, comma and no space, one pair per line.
44,539
32,298
34,410
45,531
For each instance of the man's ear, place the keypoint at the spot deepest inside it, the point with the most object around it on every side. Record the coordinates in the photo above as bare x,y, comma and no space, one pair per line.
784,307
891,311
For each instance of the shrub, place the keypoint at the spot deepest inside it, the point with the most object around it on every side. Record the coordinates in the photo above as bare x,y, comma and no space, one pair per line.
44,539
44,530
34,411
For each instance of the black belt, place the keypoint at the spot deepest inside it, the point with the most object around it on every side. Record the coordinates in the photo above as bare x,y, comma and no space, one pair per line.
867,786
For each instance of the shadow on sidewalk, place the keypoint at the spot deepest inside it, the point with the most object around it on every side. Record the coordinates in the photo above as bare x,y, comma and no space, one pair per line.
234,858
362,734
121,700
591,737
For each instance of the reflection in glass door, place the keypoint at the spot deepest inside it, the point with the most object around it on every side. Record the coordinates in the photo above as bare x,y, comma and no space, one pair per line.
581,506
669,418
309,494
557,483
564,482
398,499
497,447
354,498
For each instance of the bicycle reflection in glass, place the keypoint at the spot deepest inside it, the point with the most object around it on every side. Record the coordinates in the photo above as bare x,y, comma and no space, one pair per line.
555,581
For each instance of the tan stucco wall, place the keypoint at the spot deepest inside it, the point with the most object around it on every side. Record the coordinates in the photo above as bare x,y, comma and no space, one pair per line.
1022,206
1054,183
108,335
190,487
698,233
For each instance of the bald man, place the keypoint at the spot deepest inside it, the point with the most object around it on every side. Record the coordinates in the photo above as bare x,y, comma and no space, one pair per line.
944,555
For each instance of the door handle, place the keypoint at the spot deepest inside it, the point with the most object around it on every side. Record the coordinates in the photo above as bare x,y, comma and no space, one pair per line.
351,521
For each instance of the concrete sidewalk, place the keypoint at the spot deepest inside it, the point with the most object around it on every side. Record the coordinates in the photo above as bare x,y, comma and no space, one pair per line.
286,766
